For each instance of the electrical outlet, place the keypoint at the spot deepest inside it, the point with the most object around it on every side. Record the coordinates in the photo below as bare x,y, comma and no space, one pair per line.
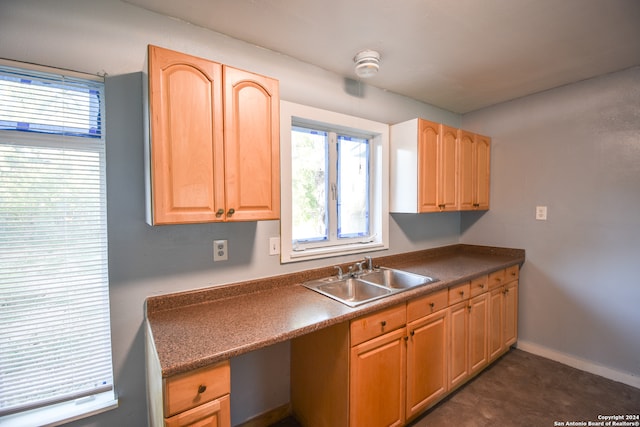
274,245
220,252
541,213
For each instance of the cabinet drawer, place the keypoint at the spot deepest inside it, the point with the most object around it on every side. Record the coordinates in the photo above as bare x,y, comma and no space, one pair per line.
479,285
496,279
426,305
216,413
512,273
194,388
459,293
376,324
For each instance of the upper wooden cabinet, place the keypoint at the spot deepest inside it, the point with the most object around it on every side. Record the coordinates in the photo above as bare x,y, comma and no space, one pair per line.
437,168
474,169
214,152
423,167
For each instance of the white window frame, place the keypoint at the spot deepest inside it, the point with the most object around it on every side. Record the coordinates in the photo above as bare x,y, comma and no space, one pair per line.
300,115
63,409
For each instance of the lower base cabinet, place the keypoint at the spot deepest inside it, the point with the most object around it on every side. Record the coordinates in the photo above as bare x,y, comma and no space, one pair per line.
459,344
377,373
427,356
198,398
386,368
503,311
478,333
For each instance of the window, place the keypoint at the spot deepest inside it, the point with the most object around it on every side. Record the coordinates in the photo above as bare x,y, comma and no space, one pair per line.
334,184
55,342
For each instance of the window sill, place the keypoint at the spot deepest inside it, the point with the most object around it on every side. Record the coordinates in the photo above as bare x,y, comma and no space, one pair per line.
330,251
63,413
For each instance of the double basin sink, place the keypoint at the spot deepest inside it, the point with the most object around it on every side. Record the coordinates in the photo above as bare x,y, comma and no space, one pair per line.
368,286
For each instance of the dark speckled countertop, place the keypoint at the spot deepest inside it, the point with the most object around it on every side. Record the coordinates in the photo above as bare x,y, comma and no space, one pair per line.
198,328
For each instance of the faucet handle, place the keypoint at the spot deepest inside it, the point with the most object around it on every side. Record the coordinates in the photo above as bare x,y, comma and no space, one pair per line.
337,267
369,262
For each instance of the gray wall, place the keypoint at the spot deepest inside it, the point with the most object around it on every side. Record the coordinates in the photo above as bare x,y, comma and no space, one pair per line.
576,150
111,37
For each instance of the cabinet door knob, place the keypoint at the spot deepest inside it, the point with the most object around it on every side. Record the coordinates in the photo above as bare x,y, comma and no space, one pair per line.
432,304
481,285
219,213
461,293
413,333
202,388
383,323
231,212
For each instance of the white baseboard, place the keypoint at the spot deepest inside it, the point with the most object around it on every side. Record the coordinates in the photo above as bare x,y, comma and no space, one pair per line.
583,365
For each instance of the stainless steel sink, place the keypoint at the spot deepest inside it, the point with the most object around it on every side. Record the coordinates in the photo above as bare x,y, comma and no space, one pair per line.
350,291
396,279
368,286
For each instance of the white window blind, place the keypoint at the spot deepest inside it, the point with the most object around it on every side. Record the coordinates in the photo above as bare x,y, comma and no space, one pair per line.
55,342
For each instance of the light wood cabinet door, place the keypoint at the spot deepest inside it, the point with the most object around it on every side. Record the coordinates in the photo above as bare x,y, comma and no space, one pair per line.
428,161
216,413
478,333
496,322
474,170
458,344
466,148
448,187
377,381
437,188
186,154
427,356
481,173
510,294
252,154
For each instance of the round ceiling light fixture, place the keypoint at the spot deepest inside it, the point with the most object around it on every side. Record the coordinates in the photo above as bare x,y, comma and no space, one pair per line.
367,63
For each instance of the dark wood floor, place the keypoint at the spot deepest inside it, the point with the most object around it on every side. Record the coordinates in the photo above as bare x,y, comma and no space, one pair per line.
522,389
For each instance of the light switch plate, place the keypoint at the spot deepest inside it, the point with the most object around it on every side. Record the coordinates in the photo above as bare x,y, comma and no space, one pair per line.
541,213
274,245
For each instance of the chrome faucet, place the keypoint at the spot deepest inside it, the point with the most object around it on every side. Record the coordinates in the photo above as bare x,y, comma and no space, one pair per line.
358,266
369,262
337,267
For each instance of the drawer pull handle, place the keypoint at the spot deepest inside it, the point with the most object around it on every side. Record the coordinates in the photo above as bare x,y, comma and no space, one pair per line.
383,323
432,304
202,388
481,285
461,293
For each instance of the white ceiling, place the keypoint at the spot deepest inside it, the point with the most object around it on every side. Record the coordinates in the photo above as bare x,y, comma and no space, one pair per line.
460,55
